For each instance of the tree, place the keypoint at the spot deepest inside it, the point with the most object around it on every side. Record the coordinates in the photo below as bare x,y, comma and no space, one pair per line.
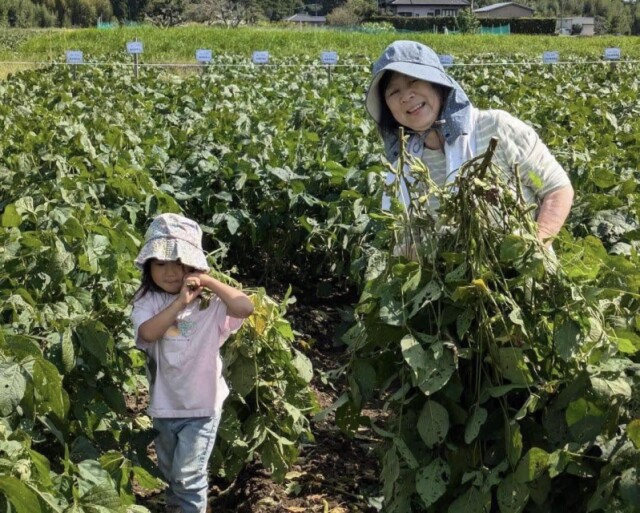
226,12
352,12
166,13
467,22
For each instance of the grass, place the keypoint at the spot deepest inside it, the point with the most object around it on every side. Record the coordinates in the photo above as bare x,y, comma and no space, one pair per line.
178,45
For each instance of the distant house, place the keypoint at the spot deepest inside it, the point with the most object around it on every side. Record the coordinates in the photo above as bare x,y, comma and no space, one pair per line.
307,19
504,10
428,7
565,26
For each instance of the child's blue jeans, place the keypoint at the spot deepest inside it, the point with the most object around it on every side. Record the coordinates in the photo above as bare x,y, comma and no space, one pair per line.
183,446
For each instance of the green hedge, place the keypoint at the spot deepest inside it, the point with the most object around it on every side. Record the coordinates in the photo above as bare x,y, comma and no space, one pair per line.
430,24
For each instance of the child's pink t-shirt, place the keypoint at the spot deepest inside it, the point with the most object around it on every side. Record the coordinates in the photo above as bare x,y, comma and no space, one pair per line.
184,367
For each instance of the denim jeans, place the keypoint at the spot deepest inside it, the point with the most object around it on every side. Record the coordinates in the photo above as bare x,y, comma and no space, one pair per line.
183,446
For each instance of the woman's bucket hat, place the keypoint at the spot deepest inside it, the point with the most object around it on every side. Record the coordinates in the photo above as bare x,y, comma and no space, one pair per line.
172,237
409,58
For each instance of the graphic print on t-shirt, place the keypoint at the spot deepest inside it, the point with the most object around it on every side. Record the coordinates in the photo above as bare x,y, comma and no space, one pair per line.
181,329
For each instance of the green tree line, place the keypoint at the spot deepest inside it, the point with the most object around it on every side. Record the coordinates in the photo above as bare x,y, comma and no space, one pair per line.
615,16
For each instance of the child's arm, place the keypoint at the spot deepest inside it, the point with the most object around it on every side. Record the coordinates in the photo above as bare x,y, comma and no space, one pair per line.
153,329
238,303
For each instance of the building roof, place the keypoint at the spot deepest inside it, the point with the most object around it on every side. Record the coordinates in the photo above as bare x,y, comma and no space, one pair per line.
307,18
493,7
461,3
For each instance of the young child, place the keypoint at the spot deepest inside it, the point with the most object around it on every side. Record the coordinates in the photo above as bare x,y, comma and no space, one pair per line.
182,342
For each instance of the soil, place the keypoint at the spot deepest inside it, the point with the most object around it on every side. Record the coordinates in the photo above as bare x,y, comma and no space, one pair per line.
334,473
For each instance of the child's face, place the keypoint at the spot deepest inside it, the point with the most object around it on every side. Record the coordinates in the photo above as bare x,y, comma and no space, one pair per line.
414,103
168,275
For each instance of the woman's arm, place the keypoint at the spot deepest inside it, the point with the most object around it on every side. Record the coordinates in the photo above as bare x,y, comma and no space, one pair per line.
553,212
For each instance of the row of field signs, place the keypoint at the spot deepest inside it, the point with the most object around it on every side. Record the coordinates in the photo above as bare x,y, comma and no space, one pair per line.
205,56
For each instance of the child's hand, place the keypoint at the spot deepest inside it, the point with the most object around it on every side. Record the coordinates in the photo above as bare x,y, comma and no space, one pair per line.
191,287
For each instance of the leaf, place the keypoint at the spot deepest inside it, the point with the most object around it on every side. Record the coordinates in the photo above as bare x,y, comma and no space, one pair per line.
365,376
512,248
585,419
392,312
513,439
474,423
94,337
567,339
512,496
611,388
630,487
432,369
48,389
145,479
103,496
432,481
433,423
12,387
532,465
472,501
303,365
405,452
463,322
242,375
512,364
19,495
633,432
73,228
458,274
68,351
580,409
10,217
412,353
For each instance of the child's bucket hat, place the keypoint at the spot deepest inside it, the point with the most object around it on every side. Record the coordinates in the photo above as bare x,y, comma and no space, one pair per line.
409,58
172,237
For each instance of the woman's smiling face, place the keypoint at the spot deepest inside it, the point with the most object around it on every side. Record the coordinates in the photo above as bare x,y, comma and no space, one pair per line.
413,103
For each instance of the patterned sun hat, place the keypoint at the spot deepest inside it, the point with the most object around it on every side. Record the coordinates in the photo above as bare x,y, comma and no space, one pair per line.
172,237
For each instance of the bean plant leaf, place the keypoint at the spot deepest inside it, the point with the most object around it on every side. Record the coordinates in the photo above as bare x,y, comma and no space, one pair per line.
630,487
11,217
12,387
532,465
514,442
242,376
432,368
68,351
567,339
432,481
303,365
405,452
472,501
513,366
633,432
610,388
94,337
474,423
512,495
433,423
19,495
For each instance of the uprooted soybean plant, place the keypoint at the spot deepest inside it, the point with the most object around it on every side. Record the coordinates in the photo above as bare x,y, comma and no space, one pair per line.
503,367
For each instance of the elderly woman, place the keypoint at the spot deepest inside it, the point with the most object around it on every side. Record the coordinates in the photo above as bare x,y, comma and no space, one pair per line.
410,88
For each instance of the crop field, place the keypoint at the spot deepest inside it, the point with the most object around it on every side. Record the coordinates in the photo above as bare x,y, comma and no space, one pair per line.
485,376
